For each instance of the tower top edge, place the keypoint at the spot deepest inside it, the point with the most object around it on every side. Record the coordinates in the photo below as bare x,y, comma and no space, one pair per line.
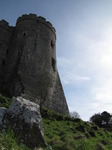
35,17
4,24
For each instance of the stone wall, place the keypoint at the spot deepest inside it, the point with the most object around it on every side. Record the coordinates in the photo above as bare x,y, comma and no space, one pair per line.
28,64
5,37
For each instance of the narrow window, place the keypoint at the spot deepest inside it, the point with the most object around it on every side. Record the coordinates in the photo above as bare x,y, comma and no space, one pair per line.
7,52
19,53
12,33
24,34
53,64
52,44
3,62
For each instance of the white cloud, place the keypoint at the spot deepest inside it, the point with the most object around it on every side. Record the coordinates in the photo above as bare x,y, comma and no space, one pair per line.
89,67
69,72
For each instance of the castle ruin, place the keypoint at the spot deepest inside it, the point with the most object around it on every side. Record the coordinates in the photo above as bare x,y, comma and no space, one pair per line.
28,62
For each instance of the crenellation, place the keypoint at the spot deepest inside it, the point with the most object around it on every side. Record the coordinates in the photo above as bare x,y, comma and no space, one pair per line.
48,23
41,19
4,23
36,18
23,17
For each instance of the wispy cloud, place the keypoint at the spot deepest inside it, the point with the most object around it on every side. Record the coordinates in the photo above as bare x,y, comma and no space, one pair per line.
89,70
69,71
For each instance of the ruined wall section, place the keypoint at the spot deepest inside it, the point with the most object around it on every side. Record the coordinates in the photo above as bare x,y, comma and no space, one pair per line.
5,37
13,60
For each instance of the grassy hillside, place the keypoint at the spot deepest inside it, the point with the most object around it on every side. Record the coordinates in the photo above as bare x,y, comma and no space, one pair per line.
62,133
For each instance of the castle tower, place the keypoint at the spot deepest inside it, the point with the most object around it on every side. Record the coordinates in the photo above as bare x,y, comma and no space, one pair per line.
30,68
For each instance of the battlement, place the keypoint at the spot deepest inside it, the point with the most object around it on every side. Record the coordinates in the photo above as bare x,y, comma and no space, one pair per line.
37,18
4,24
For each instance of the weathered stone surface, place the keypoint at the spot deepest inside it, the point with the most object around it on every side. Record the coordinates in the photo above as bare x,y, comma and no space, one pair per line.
28,62
2,113
24,118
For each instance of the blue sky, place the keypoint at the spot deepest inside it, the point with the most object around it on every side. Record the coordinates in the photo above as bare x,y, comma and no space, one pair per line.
84,47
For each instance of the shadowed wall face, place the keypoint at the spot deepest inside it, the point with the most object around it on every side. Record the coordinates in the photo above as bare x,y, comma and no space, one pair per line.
5,35
31,65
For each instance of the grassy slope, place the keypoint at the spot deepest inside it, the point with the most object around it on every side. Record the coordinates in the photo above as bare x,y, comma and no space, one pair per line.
62,133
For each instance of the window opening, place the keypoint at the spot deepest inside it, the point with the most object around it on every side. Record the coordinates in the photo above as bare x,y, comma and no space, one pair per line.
3,62
19,53
54,64
52,44
12,33
7,52
24,34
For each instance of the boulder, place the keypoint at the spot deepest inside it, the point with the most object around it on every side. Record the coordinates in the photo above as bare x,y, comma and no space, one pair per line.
2,112
24,118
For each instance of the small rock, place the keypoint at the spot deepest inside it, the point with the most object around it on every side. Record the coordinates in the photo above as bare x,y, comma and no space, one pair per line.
81,128
92,134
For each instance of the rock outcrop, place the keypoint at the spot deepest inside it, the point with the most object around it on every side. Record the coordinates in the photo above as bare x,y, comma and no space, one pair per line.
24,118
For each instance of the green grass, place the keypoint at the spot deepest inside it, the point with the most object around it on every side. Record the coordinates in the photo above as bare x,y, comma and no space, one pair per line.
61,133
64,133
5,101
8,141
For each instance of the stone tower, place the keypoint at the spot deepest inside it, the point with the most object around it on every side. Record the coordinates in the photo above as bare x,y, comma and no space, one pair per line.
28,62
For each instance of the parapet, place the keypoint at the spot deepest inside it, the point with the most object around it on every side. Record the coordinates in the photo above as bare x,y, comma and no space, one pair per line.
4,24
37,18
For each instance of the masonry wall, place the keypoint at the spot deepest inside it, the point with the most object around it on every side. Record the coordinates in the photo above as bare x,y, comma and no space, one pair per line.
31,63
5,36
